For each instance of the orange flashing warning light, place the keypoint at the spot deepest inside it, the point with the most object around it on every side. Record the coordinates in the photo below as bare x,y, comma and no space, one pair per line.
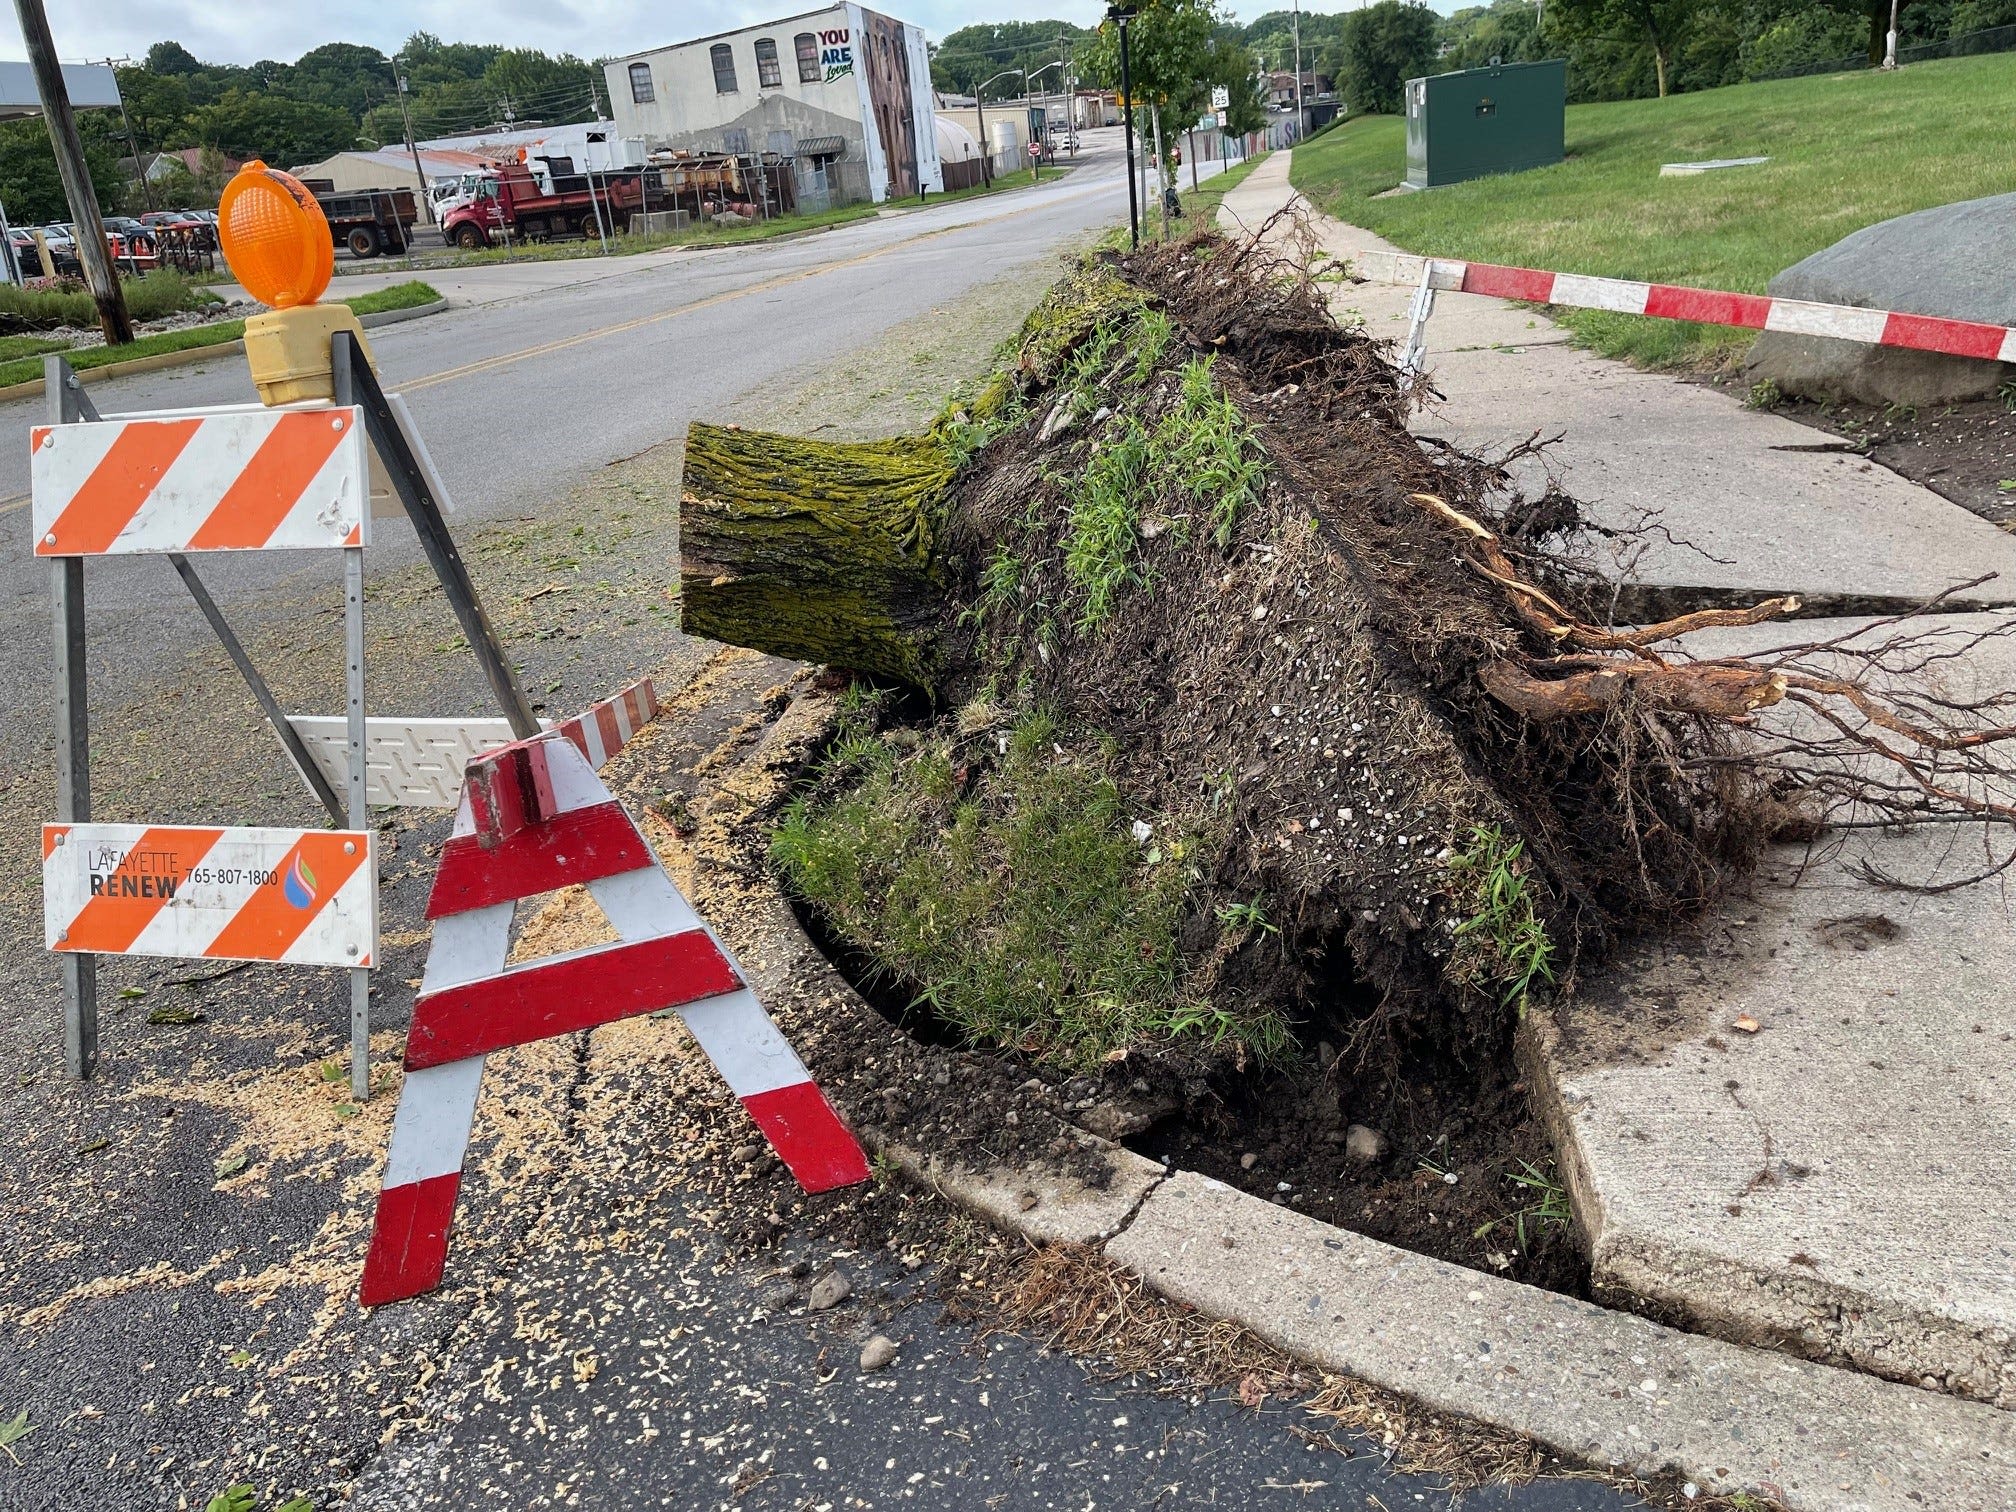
275,237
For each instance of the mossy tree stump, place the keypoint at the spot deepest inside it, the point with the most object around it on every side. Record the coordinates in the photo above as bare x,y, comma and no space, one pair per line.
819,550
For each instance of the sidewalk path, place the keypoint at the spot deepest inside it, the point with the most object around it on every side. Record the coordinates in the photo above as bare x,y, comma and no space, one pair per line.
1835,1179
1741,484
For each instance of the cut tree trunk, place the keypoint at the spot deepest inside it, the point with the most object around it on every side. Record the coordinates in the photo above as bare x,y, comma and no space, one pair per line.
818,550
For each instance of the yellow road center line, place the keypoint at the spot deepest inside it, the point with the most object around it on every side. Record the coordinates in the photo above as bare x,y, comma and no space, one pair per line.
505,359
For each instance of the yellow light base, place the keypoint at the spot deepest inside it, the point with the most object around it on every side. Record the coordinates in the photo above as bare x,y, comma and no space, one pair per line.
288,351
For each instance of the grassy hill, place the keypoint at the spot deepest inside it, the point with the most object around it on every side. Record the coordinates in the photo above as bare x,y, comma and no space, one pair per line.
1846,150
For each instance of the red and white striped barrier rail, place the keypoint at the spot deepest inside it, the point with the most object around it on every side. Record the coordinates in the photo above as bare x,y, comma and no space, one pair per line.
1757,312
534,817
603,729
231,481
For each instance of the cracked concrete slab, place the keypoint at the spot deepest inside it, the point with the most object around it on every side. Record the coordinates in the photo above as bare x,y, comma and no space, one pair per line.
1607,1386
1837,1177
1044,1207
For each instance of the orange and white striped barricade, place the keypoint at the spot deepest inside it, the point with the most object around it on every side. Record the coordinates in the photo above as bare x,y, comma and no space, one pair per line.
232,481
240,478
293,897
534,817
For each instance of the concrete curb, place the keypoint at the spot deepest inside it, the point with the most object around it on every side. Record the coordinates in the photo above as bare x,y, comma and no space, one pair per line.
33,388
1603,1386
378,318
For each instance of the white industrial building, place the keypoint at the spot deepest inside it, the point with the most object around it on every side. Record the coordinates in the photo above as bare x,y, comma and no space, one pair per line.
843,91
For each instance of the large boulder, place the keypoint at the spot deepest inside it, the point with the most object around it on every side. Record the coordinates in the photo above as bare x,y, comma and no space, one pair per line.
1954,260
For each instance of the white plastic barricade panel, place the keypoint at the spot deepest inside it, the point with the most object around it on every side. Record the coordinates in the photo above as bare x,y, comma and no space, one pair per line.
220,482
302,897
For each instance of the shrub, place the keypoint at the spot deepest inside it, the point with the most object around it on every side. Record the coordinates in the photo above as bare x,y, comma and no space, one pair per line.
52,302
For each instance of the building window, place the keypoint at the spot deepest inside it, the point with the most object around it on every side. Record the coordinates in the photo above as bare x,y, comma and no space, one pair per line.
768,74
809,71
724,68
641,92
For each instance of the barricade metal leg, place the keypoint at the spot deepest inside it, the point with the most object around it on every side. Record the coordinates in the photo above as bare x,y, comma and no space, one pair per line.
73,738
357,384
1416,351
360,818
346,367
73,799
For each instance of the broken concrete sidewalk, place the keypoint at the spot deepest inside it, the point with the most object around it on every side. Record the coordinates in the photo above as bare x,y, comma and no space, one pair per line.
1795,1124
1838,1182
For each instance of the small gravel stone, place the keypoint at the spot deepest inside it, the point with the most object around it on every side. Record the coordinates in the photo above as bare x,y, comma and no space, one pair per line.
830,1290
878,1352
1248,1161
1026,1201
1361,1143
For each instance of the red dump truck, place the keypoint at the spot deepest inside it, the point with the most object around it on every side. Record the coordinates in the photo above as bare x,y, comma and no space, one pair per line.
541,200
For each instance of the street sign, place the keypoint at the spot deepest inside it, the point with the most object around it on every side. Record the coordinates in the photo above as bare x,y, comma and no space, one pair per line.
1221,99
1221,118
297,897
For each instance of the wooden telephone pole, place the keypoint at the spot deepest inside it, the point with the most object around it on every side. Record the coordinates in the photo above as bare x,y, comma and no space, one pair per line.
92,250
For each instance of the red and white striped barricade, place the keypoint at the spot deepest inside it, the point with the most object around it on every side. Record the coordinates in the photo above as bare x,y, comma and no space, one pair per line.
533,818
1658,301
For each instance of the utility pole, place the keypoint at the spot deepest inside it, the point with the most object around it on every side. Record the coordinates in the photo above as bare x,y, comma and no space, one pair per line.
419,174
1296,24
92,250
1890,39
139,168
1120,16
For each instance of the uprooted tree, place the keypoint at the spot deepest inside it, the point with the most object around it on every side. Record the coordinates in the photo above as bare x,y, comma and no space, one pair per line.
1247,705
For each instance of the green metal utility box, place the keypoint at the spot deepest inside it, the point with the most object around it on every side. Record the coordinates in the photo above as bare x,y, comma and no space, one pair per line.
1501,119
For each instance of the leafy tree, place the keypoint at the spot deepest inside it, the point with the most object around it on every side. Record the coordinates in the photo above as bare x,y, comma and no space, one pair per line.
270,126
1169,51
171,58
30,186
975,53
1661,24
1382,47
1810,35
1272,36
1508,30
158,106
1231,65
1980,15
342,75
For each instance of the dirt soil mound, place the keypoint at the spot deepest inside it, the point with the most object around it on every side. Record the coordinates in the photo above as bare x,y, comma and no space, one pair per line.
1237,714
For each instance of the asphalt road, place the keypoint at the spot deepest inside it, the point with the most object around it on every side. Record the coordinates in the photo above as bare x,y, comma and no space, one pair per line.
178,1260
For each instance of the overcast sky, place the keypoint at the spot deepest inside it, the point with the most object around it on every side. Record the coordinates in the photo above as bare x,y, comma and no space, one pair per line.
246,32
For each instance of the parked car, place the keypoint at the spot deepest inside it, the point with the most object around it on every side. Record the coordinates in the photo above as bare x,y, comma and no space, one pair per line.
160,219
27,256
